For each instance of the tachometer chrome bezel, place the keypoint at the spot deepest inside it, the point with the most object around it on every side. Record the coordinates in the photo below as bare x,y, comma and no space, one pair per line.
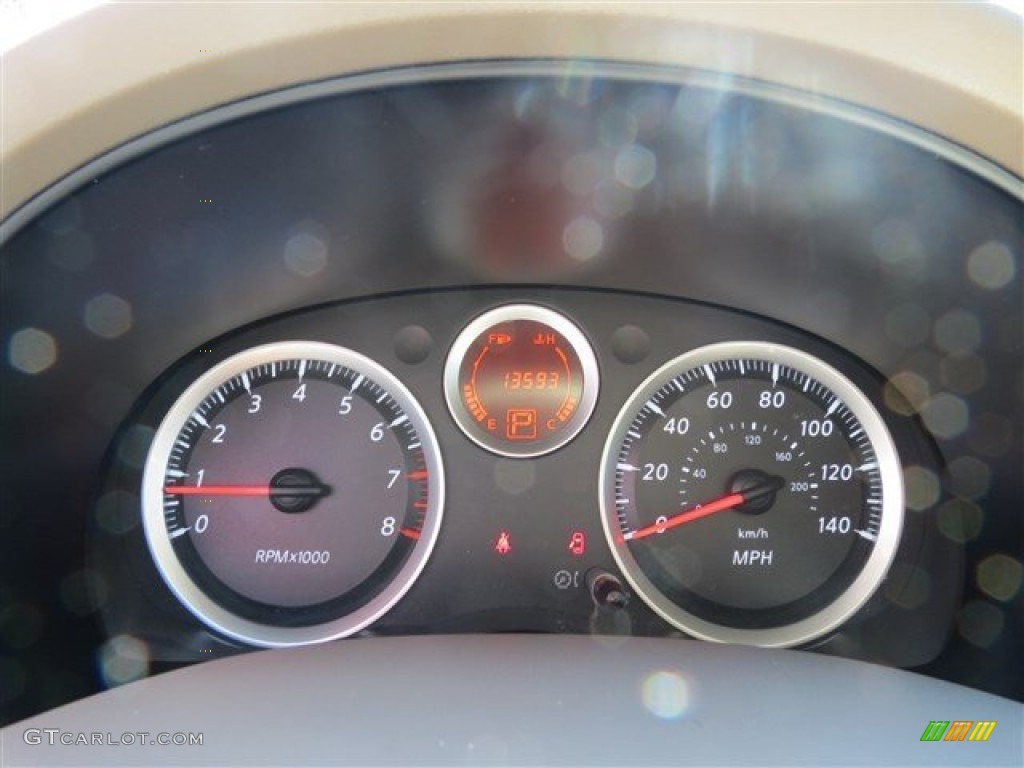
181,583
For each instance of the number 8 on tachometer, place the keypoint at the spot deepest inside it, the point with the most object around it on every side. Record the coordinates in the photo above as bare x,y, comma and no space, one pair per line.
752,494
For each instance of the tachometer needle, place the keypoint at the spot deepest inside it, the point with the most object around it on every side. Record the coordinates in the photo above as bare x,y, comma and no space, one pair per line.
731,501
246,490
291,490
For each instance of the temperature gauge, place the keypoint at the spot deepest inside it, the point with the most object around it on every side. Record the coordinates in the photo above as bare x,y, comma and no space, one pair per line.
521,380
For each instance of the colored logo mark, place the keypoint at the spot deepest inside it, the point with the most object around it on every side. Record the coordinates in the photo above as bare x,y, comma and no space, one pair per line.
958,730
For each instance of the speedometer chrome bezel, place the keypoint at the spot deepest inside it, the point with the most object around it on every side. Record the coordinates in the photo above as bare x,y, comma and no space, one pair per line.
181,583
874,570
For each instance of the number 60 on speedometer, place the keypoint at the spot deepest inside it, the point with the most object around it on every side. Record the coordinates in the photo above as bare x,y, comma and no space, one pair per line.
751,493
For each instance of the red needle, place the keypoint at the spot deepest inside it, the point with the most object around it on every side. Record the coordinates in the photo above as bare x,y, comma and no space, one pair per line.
218,490
718,505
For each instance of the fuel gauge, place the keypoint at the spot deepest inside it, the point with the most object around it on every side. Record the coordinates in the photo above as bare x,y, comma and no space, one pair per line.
521,380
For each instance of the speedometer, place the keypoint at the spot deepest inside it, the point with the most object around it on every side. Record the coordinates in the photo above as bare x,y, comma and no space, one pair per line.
751,493
292,494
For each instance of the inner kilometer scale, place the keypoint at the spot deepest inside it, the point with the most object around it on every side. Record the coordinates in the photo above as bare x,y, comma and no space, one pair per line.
292,494
751,493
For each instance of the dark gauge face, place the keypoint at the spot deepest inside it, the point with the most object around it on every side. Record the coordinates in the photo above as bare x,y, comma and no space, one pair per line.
292,494
751,493
521,380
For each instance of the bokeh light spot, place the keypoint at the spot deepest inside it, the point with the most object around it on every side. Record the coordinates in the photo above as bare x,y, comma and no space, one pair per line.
123,659
666,695
899,248
108,316
635,166
980,623
305,252
969,477
990,434
991,265
583,238
31,350
922,487
514,477
908,587
960,520
906,393
957,332
946,415
1000,576
963,375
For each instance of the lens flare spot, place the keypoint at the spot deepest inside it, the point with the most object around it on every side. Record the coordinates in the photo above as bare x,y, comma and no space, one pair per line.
969,477
71,250
666,695
635,166
583,238
946,415
908,587
981,623
123,659
514,477
957,332
963,375
617,127
992,265
906,393
990,435
612,200
305,252
1000,576
922,487
899,249
961,520
114,512
108,316
31,351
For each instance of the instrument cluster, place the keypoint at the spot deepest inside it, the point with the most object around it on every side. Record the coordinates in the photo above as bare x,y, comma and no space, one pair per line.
516,460
516,347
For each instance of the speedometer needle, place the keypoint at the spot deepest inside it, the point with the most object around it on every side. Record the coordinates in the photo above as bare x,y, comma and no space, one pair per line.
770,485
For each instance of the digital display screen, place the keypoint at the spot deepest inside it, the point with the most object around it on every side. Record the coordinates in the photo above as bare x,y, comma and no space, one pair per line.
524,384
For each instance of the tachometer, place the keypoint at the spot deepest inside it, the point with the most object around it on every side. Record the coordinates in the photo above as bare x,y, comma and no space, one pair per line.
292,494
751,493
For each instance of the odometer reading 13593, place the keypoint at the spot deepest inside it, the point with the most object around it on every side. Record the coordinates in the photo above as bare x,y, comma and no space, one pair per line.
521,380
751,493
